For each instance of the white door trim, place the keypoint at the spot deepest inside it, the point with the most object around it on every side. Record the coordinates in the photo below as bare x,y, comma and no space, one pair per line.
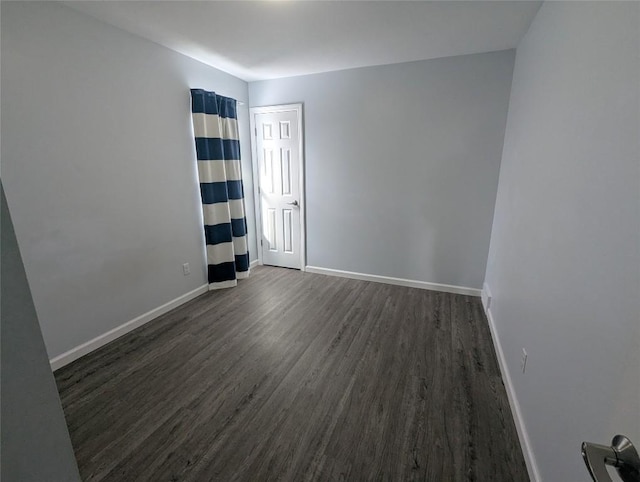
253,111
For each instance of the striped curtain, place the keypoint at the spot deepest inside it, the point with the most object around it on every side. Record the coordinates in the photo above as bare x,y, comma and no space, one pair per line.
215,125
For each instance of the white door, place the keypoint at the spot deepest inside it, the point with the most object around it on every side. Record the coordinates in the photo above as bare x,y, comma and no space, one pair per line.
278,154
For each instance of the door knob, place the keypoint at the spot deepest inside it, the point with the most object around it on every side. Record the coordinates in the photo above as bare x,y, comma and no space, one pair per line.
294,203
621,454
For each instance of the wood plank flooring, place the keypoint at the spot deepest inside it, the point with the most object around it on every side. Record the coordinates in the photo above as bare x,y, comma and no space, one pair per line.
297,377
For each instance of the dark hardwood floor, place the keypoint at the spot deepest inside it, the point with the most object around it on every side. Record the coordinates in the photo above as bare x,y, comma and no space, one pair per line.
296,376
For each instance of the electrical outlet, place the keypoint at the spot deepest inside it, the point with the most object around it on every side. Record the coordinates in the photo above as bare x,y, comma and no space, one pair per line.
523,362
185,269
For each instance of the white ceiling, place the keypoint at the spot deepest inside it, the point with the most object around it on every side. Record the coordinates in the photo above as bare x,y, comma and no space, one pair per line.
271,39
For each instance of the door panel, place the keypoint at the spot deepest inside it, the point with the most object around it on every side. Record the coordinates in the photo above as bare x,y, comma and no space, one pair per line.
277,147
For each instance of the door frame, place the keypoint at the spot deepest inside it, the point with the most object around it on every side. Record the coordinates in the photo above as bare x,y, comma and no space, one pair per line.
272,109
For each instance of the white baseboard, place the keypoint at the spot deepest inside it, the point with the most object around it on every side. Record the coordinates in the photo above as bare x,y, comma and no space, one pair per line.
523,435
253,263
486,297
395,281
97,342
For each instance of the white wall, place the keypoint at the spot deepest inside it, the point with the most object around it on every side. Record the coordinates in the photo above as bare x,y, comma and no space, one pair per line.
98,164
564,263
402,164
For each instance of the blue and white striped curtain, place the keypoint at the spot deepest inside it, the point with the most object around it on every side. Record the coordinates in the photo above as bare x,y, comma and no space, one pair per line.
215,124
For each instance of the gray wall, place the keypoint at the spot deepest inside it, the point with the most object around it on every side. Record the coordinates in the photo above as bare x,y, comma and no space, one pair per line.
402,164
564,263
35,442
98,163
